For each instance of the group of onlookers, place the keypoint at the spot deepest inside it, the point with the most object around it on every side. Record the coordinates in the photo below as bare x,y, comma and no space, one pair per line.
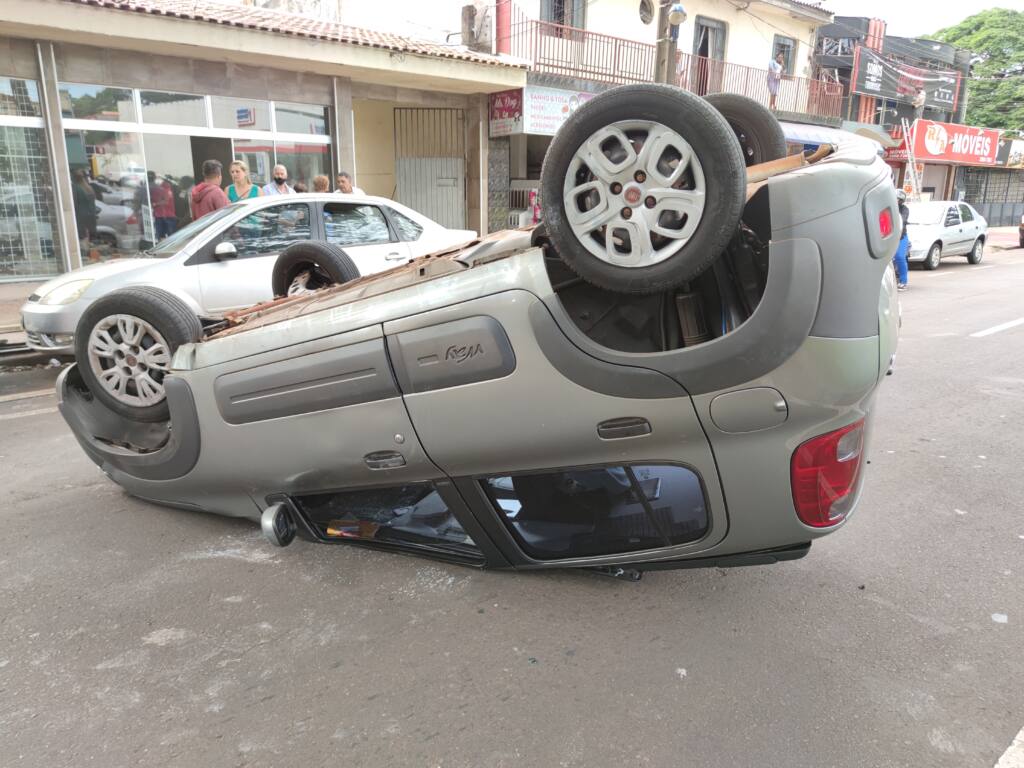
207,195
174,202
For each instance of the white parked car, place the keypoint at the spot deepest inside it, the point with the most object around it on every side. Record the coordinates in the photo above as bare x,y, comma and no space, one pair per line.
943,228
225,260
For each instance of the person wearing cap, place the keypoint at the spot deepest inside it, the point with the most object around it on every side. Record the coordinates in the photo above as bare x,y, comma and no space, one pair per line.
900,259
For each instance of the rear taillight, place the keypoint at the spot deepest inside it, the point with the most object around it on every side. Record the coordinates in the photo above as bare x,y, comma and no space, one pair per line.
824,473
132,219
885,222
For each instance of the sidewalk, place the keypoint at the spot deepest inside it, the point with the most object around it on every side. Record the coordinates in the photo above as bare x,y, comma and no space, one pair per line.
1003,238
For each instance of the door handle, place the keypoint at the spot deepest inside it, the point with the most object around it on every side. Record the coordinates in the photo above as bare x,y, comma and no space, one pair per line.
394,256
629,426
384,460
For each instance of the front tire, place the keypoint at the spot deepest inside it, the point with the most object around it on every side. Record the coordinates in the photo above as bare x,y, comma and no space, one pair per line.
642,188
977,252
124,343
934,256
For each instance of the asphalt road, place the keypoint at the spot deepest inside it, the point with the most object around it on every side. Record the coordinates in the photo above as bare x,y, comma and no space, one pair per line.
136,635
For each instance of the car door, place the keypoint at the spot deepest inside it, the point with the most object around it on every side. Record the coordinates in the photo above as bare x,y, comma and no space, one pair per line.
364,233
259,238
952,232
507,406
969,223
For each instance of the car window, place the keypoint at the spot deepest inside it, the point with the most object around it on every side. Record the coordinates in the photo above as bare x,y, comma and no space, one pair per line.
171,244
600,511
408,229
926,213
952,217
965,212
270,230
355,224
407,514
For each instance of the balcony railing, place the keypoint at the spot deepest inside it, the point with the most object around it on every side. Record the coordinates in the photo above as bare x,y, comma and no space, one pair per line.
795,94
561,50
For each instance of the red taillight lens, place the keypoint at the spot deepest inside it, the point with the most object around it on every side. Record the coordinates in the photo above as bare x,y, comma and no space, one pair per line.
133,219
885,222
824,473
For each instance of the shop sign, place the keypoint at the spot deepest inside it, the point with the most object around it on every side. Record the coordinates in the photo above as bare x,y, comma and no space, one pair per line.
506,112
533,110
245,116
874,75
949,143
1011,152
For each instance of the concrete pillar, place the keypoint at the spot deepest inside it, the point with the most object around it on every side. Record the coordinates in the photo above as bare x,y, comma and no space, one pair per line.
343,133
60,170
476,165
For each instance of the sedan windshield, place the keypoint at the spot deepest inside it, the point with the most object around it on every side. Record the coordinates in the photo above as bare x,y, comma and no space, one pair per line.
926,213
173,243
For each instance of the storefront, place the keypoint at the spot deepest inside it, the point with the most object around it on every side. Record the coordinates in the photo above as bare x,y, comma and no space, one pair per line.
107,114
938,150
997,193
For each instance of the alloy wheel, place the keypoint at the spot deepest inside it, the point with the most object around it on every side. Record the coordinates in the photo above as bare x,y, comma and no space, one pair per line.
634,193
130,359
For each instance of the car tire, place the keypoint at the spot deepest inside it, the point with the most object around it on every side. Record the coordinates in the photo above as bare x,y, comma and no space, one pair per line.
124,344
977,252
696,205
931,261
327,263
757,129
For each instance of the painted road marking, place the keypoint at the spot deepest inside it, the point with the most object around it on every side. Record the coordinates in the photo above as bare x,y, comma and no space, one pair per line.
1013,757
26,395
998,328
23,414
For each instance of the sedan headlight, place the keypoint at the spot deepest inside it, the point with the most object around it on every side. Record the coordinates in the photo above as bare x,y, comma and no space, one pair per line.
66,293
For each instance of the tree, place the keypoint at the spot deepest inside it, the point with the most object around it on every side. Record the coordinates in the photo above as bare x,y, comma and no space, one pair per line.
996,38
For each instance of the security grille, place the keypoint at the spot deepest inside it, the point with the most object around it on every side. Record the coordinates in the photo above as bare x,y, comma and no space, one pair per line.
430,163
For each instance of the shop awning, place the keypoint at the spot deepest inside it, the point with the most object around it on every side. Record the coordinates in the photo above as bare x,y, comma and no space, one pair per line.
816,135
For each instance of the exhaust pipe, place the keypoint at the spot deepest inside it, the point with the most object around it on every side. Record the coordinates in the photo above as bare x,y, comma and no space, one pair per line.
278,525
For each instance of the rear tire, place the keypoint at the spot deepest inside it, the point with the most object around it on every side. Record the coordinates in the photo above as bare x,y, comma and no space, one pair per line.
684,197
124,343
757,129
931,261
326,263
977,252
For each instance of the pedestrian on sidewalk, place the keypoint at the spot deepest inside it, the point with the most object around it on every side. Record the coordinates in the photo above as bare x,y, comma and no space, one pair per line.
84,201
321,184
279,183
241,186
207,196
346,186
900,259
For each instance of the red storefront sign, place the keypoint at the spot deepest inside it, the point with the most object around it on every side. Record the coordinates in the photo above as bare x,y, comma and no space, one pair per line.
506,112
949,143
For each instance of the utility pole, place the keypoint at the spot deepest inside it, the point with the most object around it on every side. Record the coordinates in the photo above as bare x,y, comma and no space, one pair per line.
662,67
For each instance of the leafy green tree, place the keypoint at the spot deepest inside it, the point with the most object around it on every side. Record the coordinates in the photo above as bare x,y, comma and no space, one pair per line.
995,97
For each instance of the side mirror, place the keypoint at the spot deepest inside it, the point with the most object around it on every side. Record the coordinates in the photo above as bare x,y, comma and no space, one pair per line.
225,251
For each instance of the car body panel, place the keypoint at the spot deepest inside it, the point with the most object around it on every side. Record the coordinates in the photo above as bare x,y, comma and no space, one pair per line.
947,227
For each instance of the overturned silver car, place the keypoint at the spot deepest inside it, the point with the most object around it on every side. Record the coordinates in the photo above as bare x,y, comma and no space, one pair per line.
676,369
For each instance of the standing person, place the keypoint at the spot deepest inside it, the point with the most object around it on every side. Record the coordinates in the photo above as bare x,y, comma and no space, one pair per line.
900,259
241,186
300,187
161,199
182,210
321,183
84,199
919,101
775,69
346,185
279,184
207,195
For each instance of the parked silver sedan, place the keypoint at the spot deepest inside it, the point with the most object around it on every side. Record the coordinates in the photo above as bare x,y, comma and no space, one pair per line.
224,261
938,229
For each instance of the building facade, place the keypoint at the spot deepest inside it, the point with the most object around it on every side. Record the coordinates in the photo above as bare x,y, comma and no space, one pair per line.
107,112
